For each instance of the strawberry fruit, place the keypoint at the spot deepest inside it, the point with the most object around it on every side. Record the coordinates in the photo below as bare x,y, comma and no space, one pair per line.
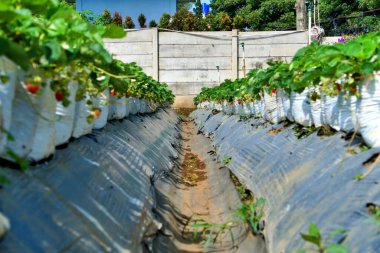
32,88
59,96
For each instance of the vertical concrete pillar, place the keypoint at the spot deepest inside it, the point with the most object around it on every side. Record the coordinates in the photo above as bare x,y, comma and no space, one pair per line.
155,56
235,54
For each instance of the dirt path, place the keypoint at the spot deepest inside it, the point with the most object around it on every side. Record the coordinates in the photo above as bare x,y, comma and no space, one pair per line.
204,194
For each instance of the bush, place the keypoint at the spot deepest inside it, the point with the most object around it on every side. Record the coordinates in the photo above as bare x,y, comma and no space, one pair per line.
178,19
238,23
152,23
189,22
142,20
128,23
225,21
117,19
212,23
164,21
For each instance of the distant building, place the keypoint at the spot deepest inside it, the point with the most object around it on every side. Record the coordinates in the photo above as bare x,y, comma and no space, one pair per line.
152,9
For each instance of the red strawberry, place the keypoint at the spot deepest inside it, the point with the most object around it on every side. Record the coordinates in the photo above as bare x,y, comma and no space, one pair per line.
59,96
96,113
113,92
339,87
32,88
239,101
274,91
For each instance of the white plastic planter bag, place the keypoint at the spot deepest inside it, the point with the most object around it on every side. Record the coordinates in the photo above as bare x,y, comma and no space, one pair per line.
301,108
138,105
261,105
285,103
132,106
219,107
117,109
103,103
44,106
339,113
246,111
10,72
316,112
127,107
368,111
143,106
273,108
81,125
64,122
237,108
227,108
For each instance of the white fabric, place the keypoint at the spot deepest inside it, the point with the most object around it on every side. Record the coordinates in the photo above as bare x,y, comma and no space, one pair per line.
368,111
301,108
103,103
7,93
64,123
81,125
44,137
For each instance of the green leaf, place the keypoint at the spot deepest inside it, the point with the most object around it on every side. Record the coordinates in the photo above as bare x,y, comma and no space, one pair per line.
338,232
310,238
14,52
313,230
114,32
336,248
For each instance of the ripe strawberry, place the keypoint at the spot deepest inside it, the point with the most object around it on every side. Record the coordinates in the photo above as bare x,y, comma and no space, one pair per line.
113,92
274,91
339,87
96,113
32,88
59,96
239,101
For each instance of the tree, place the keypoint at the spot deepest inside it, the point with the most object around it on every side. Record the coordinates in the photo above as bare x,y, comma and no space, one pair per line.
189,23
152,23
198,9
225,21
238,23
142,20
117,19
128,23
164,21
178,19
106,16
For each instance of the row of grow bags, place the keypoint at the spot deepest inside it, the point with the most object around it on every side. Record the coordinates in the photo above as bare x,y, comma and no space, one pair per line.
34,124
361,114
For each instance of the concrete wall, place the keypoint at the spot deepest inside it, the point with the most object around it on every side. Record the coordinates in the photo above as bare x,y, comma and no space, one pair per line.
188,61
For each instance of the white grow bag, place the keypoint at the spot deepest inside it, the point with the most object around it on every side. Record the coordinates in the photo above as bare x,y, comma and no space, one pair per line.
138,105
237,108
127,107
132,106
273,108
44,106
82,112
368,111
339,113
117,109
301,108
316,112
103,103
285,102
64,123
143,106
7,93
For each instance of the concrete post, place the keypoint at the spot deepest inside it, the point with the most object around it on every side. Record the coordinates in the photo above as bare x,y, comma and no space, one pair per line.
301,15
155,55
235,54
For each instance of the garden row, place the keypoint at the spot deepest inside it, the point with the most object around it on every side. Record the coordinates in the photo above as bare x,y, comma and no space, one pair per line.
331,85
58,80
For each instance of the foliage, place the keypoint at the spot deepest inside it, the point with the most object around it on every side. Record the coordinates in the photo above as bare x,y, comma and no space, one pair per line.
152,23
164,21
106,15
198,9
314,237
227,160
142,20
328,69
238,23
252,212
128,23
117,19
225,21
178,20
189,22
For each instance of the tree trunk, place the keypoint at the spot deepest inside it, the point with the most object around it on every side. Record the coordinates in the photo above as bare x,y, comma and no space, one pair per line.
301,15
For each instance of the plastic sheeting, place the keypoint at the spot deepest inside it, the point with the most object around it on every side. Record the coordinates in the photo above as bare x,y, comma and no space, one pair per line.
94,196
303,181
